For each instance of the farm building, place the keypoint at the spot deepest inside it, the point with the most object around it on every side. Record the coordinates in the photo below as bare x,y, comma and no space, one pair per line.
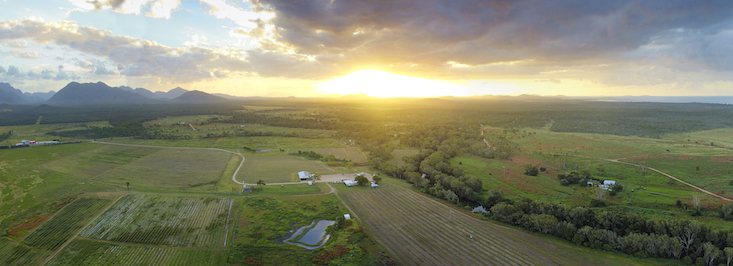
349,182
607,184
303,175
245,188
310,183
347,216
374,185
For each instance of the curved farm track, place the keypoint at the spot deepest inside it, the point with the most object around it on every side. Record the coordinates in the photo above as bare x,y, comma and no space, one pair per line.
421,231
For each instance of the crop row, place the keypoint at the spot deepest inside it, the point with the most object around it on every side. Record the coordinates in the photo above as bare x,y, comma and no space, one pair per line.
85,252
161,220
425,232
55,232
12,253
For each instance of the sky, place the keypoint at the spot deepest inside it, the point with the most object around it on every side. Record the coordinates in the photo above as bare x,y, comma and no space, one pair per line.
383,48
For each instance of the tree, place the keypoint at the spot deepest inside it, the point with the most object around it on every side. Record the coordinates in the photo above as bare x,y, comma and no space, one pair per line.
128,185
316,177
377,179
261,183
728,251
711,252
696,199
361,180
531,170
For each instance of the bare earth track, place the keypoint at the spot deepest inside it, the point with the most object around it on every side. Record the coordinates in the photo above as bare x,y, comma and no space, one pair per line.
422,231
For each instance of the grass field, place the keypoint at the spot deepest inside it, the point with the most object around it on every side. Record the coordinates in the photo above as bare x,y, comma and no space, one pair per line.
277,169
29,190
163,220
294,189
171,169
399,154
87,252
238,143
54,233
27,130
423,232
98,161
353,154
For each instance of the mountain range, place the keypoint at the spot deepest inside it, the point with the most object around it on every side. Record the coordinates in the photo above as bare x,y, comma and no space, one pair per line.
101,93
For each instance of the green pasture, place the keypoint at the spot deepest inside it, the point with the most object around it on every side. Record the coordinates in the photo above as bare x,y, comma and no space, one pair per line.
399,154
278,169
95,162
290,189
28,189
353,154
27,130
238,143
608,146
171,169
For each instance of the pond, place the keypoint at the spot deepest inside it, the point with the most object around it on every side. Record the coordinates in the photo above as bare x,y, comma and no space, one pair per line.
312,236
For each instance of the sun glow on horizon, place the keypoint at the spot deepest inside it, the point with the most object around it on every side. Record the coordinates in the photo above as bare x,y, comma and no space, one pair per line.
384,84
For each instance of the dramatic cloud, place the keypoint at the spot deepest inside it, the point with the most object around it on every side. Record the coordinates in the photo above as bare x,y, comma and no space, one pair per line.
157,8
138,57
547,35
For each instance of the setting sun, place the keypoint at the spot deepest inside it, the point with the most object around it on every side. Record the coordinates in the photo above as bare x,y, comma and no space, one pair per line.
384,84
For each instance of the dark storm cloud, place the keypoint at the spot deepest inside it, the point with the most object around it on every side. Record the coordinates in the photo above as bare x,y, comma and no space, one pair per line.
548,33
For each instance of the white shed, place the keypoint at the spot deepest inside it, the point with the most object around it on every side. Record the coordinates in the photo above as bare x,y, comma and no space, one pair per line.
609,182
347,216
303,175
310,183
374,185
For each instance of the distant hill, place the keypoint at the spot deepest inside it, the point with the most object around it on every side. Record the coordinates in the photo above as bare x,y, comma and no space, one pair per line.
95,93
11,95
38,97
198,97
171,94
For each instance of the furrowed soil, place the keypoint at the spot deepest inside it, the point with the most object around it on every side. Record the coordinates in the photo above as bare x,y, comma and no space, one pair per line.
422,231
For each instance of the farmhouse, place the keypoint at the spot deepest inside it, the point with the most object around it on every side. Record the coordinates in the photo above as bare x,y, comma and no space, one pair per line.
607,184
303,175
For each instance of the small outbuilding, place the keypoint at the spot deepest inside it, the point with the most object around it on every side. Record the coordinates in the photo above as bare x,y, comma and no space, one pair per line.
375,185
347,216
310,183
303,175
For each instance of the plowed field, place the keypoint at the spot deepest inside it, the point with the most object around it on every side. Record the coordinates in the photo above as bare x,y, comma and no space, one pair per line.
424,232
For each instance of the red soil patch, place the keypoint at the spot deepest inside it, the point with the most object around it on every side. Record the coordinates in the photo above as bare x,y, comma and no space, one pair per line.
33,222
722,159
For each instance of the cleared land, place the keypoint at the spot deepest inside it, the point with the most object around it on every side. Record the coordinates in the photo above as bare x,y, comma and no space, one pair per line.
171,169
277,169
54,233
86,252
424,232
399,154
349,153
98,161
163,220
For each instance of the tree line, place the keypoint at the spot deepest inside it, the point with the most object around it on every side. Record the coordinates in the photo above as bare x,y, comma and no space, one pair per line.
622,231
